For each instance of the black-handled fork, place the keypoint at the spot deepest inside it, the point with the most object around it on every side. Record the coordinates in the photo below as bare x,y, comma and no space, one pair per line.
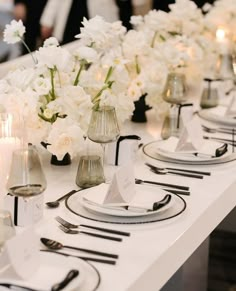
179,170
108,230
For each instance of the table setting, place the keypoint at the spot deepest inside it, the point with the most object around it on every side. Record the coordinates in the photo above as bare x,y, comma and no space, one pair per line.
130,195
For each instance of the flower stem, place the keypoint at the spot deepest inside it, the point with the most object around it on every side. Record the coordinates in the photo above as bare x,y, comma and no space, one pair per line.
137,65
153,40
79,72
28,49
109,73
52,83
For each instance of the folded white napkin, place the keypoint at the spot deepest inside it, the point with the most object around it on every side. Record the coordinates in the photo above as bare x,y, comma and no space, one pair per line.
140,203
169,147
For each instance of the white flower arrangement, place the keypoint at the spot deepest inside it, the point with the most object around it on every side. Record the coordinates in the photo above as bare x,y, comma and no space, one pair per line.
112,67
56,96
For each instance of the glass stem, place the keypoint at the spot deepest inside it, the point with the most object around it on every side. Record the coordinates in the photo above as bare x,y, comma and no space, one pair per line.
103,145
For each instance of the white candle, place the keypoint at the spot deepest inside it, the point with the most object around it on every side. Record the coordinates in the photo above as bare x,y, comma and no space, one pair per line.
223,41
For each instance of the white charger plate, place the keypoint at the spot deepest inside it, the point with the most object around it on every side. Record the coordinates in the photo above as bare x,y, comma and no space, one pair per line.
152,195
51,264
216,115
154,151
73,204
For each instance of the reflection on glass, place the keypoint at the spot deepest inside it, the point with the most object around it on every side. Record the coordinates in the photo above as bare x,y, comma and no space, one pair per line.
26,177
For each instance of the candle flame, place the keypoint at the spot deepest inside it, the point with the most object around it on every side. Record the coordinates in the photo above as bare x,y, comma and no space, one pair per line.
220,34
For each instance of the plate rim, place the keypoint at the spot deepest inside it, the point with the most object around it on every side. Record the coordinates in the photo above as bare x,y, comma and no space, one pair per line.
216,118
222,160
128,221
44,256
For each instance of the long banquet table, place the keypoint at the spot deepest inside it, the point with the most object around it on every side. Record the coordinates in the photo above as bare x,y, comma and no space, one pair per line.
154,251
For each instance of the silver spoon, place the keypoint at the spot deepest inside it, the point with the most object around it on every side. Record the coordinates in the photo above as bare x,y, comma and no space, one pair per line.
56,203
55,245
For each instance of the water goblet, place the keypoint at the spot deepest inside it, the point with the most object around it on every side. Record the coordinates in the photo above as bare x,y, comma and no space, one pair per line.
26,176
10,140
103,127
175,93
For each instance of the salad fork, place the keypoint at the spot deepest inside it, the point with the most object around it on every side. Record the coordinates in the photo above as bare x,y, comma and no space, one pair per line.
107,230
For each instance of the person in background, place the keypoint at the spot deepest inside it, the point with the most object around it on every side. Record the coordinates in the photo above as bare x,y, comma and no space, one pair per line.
62,18
164,5
29,11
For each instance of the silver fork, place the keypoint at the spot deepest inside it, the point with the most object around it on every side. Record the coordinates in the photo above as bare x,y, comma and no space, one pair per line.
215,130
108,230
72,231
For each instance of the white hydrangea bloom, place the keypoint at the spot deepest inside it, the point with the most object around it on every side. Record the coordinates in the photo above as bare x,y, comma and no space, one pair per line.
14,32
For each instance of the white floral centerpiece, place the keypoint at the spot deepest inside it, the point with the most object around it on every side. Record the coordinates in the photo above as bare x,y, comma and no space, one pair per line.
166,42
57,95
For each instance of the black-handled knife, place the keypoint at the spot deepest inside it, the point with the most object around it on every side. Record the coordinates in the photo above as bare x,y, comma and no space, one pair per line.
69,277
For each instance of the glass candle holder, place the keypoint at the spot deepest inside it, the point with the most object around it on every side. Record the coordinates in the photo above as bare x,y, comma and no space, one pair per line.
90,171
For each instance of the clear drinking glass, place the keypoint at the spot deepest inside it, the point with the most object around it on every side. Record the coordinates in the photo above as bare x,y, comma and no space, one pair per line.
11,138
175,93
26,176
103,127
90,171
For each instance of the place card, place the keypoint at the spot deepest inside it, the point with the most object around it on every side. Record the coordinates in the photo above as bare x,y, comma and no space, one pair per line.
231,109
122,188
22,254
191,137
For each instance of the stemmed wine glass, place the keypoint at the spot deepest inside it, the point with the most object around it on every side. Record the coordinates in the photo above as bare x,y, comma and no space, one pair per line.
175,94
103,127
26,176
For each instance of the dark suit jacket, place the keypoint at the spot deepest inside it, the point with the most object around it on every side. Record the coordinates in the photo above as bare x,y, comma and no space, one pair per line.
34,11
125,11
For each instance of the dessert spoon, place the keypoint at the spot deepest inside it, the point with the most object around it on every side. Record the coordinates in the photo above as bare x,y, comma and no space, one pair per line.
56,203
55,245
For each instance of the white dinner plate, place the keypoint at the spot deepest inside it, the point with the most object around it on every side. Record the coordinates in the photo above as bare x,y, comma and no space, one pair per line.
53,269
178,206
151,196
155,150
216,115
